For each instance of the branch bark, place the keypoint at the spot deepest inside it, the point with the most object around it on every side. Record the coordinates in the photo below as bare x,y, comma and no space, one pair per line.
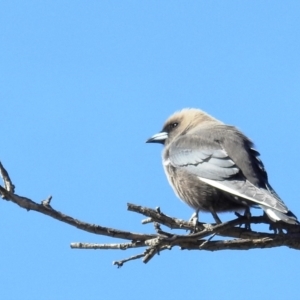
198,237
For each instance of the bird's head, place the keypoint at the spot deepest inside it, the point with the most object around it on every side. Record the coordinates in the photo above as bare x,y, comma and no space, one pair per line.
179,124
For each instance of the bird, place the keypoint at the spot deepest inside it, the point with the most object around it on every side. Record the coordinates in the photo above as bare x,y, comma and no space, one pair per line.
214,167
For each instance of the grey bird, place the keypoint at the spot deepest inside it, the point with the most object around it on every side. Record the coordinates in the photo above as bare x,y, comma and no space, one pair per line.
213,167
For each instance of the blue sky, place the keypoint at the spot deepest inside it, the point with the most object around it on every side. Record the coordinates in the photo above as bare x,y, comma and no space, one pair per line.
85,83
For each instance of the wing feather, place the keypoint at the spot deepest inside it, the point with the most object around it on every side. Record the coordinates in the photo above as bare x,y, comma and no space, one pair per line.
209,161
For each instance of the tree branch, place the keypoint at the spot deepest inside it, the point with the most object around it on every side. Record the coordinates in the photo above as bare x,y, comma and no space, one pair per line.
199,237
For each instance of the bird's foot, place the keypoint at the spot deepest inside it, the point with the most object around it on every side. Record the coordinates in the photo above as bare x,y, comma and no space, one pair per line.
194,220
246,218
216,217
276,227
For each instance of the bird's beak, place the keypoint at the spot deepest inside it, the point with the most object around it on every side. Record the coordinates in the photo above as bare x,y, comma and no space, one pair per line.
158,138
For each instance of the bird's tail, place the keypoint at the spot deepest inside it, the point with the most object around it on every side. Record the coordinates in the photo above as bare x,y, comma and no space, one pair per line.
276,215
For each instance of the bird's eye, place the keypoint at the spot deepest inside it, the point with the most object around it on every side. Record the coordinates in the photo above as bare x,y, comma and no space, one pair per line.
173,125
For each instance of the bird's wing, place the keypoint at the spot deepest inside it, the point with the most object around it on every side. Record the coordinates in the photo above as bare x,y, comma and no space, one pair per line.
210,162
205,161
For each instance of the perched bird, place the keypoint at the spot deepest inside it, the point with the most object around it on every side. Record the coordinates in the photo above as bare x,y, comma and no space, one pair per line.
213,167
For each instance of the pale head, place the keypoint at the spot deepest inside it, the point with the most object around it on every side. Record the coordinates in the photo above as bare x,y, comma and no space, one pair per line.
181,122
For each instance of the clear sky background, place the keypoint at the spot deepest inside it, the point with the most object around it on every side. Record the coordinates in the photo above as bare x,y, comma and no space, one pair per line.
84,84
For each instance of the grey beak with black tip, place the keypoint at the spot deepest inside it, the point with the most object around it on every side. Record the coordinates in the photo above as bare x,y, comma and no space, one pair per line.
158,138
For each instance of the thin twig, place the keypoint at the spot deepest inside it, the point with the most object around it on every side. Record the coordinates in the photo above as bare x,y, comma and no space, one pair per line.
6,179
120,263
121,246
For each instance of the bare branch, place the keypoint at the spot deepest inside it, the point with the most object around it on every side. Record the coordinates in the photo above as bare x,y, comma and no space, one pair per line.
245,244
234,236
121,246
28,204
120,263
157,216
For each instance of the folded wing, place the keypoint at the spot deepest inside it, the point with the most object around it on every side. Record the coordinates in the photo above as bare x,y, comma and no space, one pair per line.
211,163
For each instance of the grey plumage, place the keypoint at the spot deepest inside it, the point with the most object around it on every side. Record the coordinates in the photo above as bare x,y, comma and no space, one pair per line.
213,167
